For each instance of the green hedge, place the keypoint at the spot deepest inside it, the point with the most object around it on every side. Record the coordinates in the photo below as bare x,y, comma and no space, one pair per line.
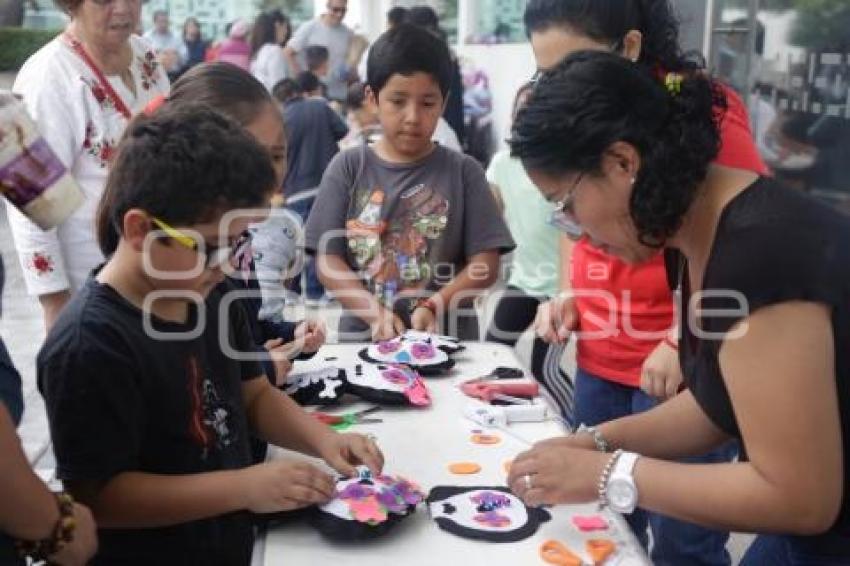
17,44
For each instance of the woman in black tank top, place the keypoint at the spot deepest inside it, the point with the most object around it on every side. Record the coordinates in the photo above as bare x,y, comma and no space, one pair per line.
764,273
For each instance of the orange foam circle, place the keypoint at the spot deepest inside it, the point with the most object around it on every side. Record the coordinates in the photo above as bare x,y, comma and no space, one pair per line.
464,468
485,439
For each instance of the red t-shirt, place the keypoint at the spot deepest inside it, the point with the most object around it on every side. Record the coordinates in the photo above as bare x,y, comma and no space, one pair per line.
625,310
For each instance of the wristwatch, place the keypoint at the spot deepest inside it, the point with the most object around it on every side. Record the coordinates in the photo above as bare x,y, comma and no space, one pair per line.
620,490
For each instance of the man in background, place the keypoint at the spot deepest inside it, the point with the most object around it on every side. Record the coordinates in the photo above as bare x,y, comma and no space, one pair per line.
329,31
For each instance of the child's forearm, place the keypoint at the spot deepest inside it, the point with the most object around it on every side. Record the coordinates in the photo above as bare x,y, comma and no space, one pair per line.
277,419
138,500
29,511
337,276
479,274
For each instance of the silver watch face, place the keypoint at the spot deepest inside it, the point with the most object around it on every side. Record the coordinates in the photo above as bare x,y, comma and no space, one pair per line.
621,494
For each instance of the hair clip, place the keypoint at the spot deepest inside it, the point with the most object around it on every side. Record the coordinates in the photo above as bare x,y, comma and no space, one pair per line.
154,105
673,83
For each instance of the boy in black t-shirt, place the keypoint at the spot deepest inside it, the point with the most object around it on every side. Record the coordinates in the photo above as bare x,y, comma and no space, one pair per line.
151,409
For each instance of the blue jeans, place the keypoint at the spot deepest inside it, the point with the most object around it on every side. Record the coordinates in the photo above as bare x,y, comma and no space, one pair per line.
314,288
675,542
777,550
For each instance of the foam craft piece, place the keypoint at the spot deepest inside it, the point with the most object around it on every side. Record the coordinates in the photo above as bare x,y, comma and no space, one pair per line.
429,354
487,513
387,384
323,386
600,549
366,506
589,524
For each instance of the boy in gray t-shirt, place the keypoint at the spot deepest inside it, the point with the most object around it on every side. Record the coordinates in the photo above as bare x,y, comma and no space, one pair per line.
406,231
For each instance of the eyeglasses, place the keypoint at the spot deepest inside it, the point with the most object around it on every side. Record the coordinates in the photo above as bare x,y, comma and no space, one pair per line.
563,217
214,256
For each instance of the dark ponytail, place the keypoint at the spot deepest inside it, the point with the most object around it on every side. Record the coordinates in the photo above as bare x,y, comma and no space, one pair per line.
594,99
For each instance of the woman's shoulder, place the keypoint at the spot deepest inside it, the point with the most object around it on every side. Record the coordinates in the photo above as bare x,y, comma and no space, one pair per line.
52,57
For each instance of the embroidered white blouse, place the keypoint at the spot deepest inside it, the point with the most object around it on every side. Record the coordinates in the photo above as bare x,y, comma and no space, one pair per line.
82,125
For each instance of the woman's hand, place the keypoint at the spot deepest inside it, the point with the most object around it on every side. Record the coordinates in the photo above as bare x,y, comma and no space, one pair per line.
344,451
661,374
558,470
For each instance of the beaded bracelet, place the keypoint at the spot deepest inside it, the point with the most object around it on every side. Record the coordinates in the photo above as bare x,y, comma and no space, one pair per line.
63,533
602,444
602,488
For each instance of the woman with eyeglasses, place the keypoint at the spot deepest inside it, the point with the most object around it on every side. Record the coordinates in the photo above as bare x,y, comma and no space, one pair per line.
82,88
765,322
622,314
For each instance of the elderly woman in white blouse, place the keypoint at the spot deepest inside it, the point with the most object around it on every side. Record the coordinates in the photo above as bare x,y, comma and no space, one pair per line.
82,88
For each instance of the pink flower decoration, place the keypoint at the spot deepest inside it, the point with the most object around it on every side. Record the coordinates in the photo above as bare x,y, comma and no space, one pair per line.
368,510
388,346
422,351
493,519
588,524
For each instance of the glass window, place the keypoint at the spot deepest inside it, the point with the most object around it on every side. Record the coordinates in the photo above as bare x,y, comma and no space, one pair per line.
790,60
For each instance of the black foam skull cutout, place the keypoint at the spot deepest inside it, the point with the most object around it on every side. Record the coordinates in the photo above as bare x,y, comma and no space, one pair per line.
493,514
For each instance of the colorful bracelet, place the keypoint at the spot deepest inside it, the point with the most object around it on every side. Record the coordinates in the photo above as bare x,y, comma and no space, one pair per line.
63,533
602,488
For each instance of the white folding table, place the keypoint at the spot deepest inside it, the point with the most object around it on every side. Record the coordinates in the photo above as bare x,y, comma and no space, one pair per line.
419,444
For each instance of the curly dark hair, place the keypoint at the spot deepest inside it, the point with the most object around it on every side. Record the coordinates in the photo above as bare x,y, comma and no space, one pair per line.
185,164
594,99
608,21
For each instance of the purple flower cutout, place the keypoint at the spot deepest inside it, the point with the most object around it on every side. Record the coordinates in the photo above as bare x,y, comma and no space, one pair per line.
389,346
422,351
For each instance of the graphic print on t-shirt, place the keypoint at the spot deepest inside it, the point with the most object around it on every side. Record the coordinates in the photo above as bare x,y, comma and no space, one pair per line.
210,425
392,251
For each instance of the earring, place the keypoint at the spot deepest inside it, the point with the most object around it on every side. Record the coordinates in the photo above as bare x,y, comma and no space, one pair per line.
634,60
633,180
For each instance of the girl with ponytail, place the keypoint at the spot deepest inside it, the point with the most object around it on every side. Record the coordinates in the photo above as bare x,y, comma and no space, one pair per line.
764,273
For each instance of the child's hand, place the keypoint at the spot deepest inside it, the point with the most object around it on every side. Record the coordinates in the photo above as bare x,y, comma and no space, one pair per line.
84,544
310,335
344,451
387,326
284,485
279,353
556,319
424,319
